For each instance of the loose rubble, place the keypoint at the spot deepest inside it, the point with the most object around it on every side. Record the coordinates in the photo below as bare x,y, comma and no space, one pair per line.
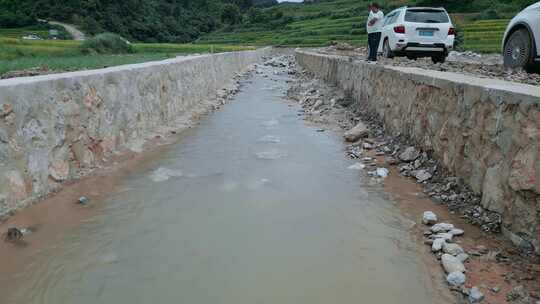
467,63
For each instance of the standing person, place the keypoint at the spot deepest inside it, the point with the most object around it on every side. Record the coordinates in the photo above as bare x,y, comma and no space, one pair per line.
374,24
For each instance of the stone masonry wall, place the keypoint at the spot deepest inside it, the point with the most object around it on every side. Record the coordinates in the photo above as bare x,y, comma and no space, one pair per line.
485,131
54,128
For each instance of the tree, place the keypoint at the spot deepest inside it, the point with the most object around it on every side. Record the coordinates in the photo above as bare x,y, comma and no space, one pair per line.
231,14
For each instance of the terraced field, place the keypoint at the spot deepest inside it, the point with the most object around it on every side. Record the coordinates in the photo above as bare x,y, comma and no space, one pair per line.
344,20
484,36
480,36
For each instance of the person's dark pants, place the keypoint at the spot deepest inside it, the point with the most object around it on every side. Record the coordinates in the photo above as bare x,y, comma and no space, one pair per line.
373,42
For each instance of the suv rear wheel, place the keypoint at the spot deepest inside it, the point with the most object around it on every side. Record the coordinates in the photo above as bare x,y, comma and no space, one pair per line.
518,50
387,51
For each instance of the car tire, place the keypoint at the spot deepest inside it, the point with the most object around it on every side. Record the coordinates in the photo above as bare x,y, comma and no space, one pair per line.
411,57
387,51
518,50
438,58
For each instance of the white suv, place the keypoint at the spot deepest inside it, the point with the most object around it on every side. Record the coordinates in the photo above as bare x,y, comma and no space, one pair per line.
417,32
521,42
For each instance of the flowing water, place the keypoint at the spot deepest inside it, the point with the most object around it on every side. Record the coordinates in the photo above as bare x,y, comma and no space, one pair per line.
252,206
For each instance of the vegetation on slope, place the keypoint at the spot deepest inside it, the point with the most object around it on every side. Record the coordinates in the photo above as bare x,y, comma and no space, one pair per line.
481,23
138,20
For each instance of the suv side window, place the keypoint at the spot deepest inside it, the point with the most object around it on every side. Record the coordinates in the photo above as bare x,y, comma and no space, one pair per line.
389,18
395,17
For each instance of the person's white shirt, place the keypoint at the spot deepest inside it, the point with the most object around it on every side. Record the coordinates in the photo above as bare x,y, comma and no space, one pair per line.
376,27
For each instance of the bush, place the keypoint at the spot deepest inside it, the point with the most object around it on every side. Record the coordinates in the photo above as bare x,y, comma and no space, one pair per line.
107,43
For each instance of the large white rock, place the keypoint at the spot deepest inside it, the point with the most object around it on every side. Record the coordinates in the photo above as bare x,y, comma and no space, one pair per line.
453,249
456,279
382,172
451,264
429,218
456,232
410,154
422,176
441,227
443,235
437,245
462,257
354,134
475,295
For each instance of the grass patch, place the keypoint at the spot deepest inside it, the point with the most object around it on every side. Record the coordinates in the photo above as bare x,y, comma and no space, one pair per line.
74,63
64,55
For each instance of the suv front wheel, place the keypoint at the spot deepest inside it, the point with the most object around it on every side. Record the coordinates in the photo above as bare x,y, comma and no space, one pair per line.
439,58
518,50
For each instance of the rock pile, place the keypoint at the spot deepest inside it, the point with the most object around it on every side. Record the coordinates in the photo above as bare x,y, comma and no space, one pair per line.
467,63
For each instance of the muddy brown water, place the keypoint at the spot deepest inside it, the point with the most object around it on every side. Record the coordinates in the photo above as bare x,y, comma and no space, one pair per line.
252,206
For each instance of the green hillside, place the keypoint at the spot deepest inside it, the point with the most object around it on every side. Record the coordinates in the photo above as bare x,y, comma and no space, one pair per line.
481,25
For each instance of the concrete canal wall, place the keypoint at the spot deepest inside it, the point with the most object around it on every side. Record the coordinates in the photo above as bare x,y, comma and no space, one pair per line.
55,128
483,130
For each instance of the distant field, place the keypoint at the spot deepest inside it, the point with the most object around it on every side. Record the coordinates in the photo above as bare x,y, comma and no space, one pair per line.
484,36
16,54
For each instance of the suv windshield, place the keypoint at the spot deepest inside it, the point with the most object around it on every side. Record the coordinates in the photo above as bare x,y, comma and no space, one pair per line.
426,16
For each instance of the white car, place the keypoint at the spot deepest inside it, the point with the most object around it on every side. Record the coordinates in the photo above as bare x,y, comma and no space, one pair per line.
521,42
417,32
31,37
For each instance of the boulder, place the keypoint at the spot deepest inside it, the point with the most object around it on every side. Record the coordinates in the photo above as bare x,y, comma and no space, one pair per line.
429,218
453,249
354,134
475,295
410,154
451,264
443,235
437,245
456,279
422,176
382,172
525,173
462,257
441,227
456,232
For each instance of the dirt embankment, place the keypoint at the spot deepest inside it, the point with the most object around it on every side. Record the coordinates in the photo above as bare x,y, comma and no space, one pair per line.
493,265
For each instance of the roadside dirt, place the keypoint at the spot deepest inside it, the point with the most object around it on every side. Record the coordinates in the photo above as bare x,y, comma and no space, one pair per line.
472,64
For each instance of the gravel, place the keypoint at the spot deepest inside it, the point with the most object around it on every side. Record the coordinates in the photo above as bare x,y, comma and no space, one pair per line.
467,63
